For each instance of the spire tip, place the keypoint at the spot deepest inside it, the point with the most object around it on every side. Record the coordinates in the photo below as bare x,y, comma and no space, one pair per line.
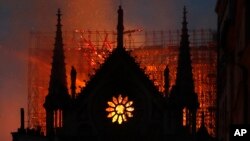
59,12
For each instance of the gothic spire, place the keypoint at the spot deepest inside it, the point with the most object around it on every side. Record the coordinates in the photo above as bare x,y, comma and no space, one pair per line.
59,28
57,98
58,82
184,78
184,23
120,28
183,94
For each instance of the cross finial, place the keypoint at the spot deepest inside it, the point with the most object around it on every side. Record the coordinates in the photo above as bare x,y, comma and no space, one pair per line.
184,13
59,16
59,12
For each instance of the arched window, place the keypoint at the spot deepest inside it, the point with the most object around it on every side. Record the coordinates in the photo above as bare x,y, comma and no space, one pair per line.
58,118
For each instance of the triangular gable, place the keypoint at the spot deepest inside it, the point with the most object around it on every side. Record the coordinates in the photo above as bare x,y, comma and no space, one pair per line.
114,66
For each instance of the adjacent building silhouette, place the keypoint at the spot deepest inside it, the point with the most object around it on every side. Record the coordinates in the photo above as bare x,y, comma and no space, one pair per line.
233,65
120,102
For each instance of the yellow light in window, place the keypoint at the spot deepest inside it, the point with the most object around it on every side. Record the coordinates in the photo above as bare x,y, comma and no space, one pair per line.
184,112
111,114
119,109
120,119
114,118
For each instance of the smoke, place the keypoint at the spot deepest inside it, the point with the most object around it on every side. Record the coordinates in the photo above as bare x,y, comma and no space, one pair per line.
19,17
13,94
167,14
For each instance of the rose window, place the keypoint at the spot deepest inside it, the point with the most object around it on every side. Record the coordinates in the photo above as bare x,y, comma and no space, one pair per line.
120,109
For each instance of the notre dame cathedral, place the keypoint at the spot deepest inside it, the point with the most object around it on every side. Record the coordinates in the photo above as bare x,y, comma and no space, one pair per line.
120,102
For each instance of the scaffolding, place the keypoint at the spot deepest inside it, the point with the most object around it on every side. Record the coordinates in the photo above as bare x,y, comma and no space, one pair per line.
153,50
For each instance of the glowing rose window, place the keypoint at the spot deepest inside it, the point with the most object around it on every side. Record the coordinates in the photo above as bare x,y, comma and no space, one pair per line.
120,109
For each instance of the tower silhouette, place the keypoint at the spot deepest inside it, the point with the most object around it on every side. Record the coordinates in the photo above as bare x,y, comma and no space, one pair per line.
183,96
57,97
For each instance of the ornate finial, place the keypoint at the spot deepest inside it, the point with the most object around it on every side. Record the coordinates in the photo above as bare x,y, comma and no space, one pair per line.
59,17
184,15
167,68
59,11
120,11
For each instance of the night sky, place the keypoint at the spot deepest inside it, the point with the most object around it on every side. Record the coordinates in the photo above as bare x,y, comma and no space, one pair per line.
19,17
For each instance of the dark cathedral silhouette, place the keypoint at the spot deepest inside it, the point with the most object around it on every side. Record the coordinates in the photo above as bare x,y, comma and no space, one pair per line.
120,102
